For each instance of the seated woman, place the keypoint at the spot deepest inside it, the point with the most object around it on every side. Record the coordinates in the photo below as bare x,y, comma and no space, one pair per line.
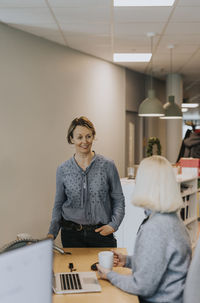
162,249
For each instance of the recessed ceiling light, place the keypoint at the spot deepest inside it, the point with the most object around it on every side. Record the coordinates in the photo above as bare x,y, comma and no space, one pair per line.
132,57
184,110
190,105
143,2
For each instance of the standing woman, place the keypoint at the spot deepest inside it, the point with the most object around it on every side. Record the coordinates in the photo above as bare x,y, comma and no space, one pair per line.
89,203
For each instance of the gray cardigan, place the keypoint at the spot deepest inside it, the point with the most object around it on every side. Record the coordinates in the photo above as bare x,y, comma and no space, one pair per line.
88,196
160,262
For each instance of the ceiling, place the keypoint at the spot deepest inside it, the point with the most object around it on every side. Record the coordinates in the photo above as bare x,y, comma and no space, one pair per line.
97,28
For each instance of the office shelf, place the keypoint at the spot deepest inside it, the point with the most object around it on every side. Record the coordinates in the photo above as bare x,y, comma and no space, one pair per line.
188,192
189,211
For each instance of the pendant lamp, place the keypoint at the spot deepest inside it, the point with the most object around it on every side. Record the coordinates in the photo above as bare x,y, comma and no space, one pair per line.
172,110
151,106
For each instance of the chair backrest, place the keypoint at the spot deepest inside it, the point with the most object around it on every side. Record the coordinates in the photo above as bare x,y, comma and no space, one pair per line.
192,285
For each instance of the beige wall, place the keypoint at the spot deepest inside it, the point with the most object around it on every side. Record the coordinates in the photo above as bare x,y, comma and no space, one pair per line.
43,86
135,93
135,90
155,127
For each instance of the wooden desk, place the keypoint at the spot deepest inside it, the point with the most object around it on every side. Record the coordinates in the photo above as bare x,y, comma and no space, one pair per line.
82,259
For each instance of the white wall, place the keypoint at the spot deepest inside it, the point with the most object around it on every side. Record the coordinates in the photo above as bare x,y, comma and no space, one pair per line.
43,86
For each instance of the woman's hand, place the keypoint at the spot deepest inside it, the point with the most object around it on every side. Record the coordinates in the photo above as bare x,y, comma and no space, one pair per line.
105,230
103,272
119,259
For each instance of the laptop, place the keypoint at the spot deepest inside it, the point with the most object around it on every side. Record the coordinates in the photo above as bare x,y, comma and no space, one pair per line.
75,282
26,274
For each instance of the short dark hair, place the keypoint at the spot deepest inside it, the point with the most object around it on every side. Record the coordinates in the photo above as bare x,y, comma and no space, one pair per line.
82,121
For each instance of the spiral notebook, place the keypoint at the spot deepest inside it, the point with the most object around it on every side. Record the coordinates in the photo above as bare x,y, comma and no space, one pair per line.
75,282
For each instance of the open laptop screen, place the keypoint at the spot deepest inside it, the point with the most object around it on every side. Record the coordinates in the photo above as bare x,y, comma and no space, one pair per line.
26,274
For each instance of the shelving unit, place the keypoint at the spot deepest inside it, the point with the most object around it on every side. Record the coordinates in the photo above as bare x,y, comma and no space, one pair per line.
189,212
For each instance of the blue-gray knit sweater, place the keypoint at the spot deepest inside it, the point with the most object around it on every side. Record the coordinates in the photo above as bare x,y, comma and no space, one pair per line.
160,262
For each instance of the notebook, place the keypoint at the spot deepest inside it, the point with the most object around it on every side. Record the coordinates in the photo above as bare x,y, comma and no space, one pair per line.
26,274
75,282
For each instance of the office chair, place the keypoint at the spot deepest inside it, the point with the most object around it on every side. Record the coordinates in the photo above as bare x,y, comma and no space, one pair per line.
192,289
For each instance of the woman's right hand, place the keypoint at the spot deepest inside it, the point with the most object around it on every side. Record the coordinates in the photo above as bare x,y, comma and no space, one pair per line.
119,259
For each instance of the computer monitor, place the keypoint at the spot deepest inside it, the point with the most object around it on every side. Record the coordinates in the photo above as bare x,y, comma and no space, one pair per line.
26,274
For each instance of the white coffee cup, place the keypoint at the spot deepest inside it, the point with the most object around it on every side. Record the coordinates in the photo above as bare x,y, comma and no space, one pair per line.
106,259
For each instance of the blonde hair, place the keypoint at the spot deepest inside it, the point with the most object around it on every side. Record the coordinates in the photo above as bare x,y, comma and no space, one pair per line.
156,187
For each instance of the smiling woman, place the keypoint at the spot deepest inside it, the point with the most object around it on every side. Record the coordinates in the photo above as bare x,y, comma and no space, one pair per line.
81,133
89,203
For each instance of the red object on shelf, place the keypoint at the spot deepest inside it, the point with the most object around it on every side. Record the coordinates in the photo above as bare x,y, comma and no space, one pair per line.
190,162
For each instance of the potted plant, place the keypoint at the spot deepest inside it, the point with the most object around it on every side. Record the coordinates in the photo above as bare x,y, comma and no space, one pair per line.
151,142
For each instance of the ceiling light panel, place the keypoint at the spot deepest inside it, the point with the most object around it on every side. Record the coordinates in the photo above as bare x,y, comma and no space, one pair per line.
128,57
143,2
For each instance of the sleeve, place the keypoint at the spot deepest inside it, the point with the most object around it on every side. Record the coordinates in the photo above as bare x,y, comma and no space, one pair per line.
60,197
149,263
129,262
117,197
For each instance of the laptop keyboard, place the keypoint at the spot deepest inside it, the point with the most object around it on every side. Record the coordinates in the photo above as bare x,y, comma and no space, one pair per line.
70,281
